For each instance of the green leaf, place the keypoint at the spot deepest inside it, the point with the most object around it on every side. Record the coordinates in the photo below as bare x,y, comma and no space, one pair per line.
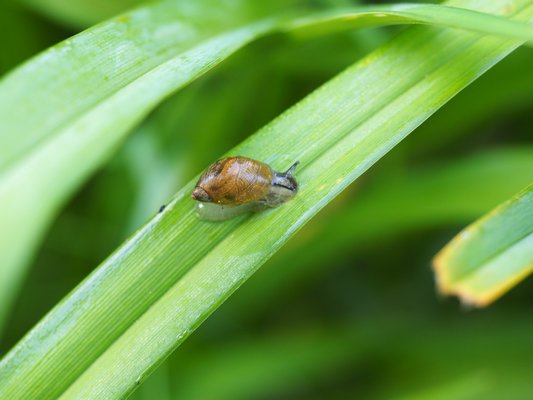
470,186
437,15
54,139
86,95
490,256
144,300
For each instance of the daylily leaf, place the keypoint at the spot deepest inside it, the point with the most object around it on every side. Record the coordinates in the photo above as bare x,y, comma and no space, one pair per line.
146,298
490,256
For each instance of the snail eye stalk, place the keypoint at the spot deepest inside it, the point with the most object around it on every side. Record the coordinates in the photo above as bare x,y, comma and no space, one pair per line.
292,168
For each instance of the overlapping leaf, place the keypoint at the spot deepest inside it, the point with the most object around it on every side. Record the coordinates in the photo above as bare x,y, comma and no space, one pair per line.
148,296
470,186
490,256
54,133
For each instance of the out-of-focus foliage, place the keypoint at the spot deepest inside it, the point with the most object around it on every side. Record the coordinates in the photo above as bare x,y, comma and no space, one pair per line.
79,13
348,307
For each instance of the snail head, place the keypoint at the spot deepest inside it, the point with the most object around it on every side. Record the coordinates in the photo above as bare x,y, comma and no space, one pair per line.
286,179
200,194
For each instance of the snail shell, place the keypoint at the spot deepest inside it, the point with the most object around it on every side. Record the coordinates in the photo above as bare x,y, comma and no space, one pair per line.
235,185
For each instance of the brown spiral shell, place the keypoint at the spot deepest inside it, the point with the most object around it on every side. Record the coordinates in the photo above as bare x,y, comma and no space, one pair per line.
234,181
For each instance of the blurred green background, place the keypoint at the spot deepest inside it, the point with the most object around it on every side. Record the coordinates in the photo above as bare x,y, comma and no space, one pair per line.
348,308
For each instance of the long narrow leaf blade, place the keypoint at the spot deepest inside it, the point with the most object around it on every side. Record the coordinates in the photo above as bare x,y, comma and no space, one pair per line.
470,186
490,256
53,139
430,14
126,67
142,302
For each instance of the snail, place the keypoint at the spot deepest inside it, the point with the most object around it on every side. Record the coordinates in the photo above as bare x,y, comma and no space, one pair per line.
236,185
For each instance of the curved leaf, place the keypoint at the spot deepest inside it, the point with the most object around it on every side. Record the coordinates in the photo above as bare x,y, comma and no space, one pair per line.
143,301
53,139
389,208
490,256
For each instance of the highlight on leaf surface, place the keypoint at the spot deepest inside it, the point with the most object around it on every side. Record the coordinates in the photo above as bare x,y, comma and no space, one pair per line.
153,63
112,331
490,256
123,69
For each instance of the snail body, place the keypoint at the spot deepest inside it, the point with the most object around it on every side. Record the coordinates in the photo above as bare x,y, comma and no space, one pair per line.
237,185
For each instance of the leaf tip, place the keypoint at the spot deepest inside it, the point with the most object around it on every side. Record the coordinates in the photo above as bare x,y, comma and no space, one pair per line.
441,265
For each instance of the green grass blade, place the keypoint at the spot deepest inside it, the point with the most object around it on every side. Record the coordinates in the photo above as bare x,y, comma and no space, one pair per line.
124,69
470,186
490,256
121,77
110,56
153,291
437,15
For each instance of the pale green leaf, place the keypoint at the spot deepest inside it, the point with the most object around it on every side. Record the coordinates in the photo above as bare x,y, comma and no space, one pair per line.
490,256
53,139
143,301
